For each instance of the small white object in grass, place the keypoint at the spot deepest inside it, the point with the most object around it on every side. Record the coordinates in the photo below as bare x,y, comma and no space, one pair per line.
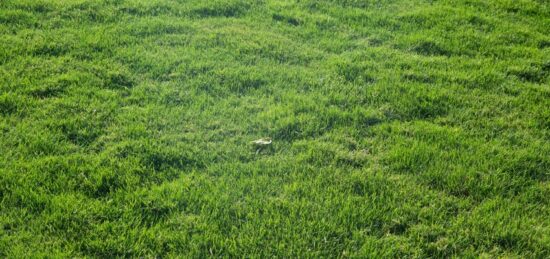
262,141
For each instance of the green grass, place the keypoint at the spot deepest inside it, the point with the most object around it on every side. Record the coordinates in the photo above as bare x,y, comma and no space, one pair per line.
400,128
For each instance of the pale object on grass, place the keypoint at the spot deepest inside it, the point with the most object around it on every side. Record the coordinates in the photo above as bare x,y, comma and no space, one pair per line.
262,141
261,144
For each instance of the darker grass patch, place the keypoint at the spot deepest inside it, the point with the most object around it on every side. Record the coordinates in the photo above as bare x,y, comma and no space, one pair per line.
430,48
418,106
398,228
355,73
51,49
287,19
41,7
529,166
159,27
543,120
11,104
308,125
480,23
508,241
288,130
156,205
81,128
367,185
375,41
242,83
418,20
113,77
47,91
295,128
54,86
142,164
358,3
227,9
32,201
543,44
535,73
427,107
107,184
18,18
421,78
81,132
158,157
157,9
153,212
118,80
354,159
483,80
87,12
108,176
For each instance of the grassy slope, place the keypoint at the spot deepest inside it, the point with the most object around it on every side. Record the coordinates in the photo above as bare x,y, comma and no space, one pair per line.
401,128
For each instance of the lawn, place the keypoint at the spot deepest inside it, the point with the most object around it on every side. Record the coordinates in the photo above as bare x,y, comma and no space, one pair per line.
399,128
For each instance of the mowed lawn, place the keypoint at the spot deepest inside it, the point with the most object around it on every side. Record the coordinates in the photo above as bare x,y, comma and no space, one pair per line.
399,128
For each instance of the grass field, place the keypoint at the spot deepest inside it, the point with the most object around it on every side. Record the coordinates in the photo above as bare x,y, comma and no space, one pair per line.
400,128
